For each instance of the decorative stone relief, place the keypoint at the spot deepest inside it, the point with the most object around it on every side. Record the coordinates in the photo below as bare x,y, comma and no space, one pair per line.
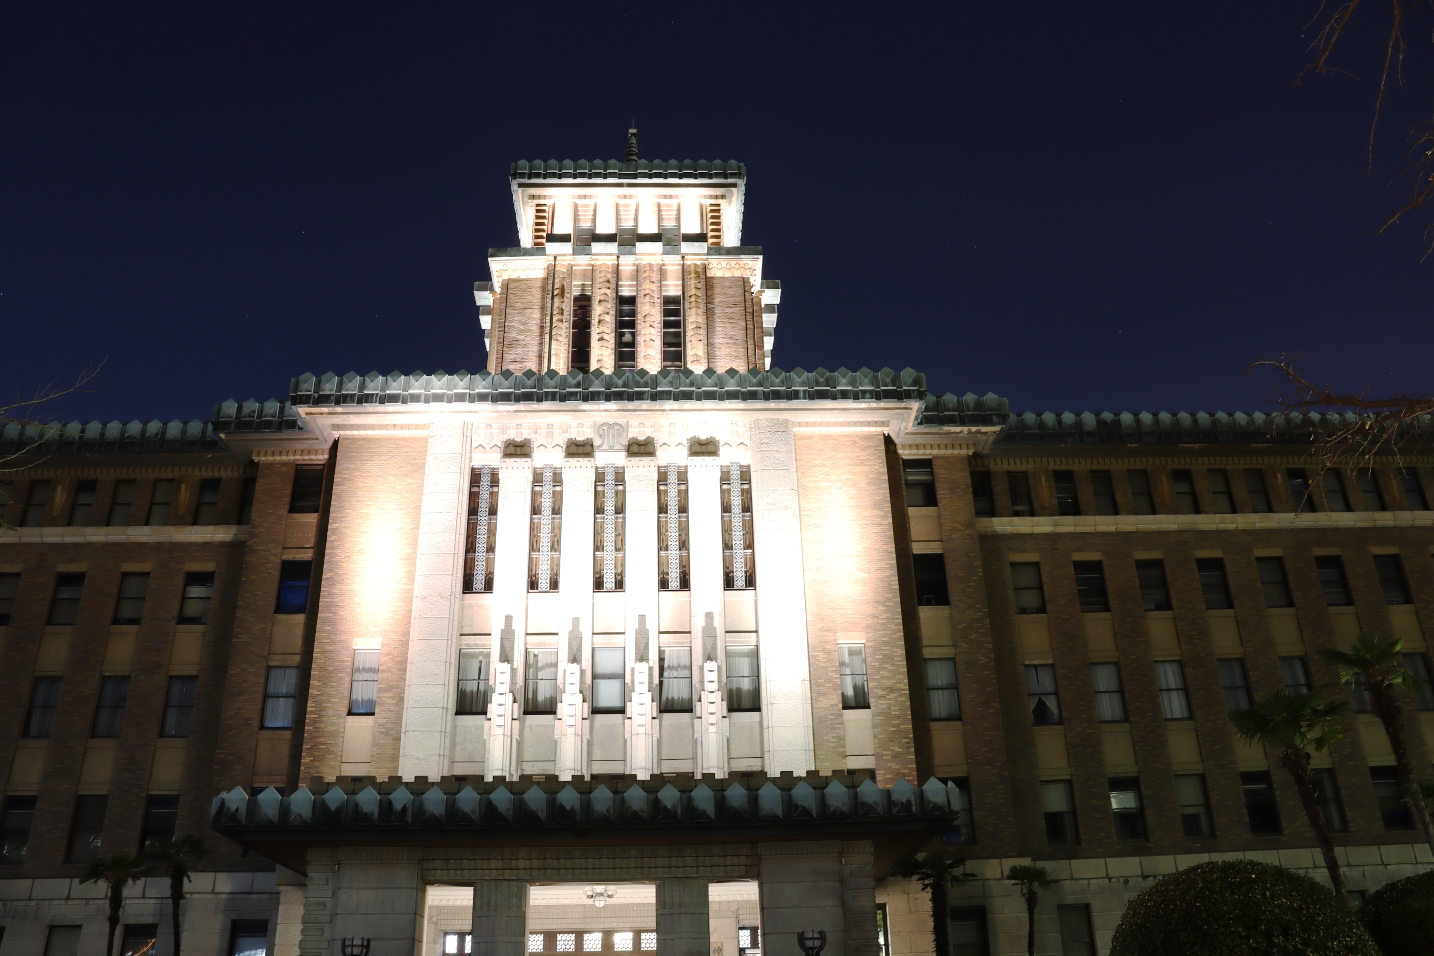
571,725
747,268
674,537
545,532
649,316
480,543
694,286
503,724
610,436
642,722
604,317
609,527
558,344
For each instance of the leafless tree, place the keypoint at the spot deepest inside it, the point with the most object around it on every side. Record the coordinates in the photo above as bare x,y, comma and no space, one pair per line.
35,416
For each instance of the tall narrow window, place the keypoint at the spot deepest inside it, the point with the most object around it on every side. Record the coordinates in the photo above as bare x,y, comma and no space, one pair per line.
83,504
983,498
1090,587
672,527
930,573
1369,490
713,212
473,687
1220,495
62,940
1359,699
197,596
294,580
969,935
281,690
1077,937
1418,665
943,698
1019,484
1414,497
1332,580
1170,678
65,605
1183,483
308,490
44,701
161,498
547,528
121,502
627,226
1273,582
1041,692
609,680
1259,494
1334,495
1331,807
1127,809
482,535
580,338
584,220
1260,805
1391,578
1104,488
1154,593
737,556
965,829
129,607
37,498
1301,494
206,508
673,345
675,680
609,530
1194,805
1067,497
179,700
87,826
540,684
851,664
541,222
161,816
109,712
1026,582
363,685
1235,684
246,501
1390,796
920,478
1109,695
743,684
9,589
1141,500
1296,675
15,821
1213,584
626,331
1058,804
669,224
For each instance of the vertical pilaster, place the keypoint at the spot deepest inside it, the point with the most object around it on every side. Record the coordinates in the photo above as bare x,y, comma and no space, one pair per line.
431,677
858,883
575,585
510,613
604,356
704,536
682,915
801,888
499,917
694,290
641,585
649,316
561,330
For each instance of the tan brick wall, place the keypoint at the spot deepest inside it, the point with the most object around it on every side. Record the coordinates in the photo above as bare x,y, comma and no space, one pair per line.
519,317
729,323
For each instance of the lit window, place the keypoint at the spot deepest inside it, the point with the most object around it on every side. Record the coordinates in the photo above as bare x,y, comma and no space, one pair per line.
622,942
197,595
482,535
473,680
1126,808
649,942
546,534
672,528
535,942
363,688
737,556
851,664
567,942
592,942
608,528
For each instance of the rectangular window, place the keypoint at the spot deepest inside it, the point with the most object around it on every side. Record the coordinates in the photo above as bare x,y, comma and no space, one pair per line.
1391,578
920,479
1334,495
1260,805
206,508
545,536
667,223
246,501
675,680
943,698
851,664
308,490
1104,489
1141,500
1359,695
983,497
968,931
1026,582
1332,580
86,827
15,820
160,500
627,331
1077,939
249,937
1220,494
1326,788
197,595
930,570
1296,675
965,828
281,689
1019,484
609,688
179,699
1090,587
9,589
738,566
121,502
1041,693
1058,804
1418,665
540,686
65,606
580,342
482,535
62,941
1414,497
161,815
473,686
1194,805
138,939
293,597
672,527
743,683
37,498
1369,490
1213,584
1154,592
609,528
44,701
1390,795
1067,497
1301,494
673,347
1273,582
1183,483
1256,489
109,713
1109,695
129,607
584,224
1170,678
649,941
622,941
1127,809
83,504
1235,684
363,685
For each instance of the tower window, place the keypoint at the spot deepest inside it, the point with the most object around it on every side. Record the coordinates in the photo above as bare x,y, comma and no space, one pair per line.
540,224
363,686
547,527
482,530
1369,489
672,528
581,340
1142,501
1184,484
584,217
83,504
1104,489
1259,494
609,531
737,556
672,332
1220,491
1067,498
207,510
1019,484
627,331
714,224
1334,495
1301,494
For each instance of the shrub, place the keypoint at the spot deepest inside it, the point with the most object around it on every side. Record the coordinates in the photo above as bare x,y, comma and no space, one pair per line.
1400,916
1239,908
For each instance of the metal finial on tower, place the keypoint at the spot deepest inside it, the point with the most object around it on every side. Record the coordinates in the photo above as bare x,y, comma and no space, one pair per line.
632,144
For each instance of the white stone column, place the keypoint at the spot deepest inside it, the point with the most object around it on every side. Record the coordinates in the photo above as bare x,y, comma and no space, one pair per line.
704,537
682,916
500,917
575,586
781,600
641,587
431,678
510,614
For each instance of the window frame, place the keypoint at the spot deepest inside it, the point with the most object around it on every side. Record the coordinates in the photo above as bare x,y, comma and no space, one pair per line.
743,690
943,693
852,669
366,661
1174,690
1105,694
281,684
1092,594
181,694
1037,696
475,687
1146,570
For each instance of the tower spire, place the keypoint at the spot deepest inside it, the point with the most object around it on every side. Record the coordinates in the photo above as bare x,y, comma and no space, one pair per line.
632,143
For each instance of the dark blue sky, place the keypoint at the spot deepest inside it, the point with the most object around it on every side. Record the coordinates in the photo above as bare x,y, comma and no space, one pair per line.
1076,205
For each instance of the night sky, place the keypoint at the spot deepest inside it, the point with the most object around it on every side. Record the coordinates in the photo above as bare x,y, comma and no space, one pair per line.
1104,206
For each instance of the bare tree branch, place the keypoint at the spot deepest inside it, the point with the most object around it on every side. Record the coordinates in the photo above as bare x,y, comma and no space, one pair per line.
29,412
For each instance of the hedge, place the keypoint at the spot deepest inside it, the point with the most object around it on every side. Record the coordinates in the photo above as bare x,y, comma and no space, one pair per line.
1400,916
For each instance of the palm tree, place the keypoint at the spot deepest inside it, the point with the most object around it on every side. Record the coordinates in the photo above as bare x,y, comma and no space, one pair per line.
1376,665
1030,880
1295,724
175,855
937,871
118,871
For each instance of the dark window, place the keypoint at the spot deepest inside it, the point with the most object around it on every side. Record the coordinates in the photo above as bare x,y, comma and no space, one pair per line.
109,713
293,587
138,939
129,607
1213,584
851,665
968,931
1301,494
1272,581
308,490
1331,578
44,700
1090,587
1109,696
1045,703
627,331
675,680
1067,498
1260,805
1391,578
1220,494
65,606
249,937
920,482
744,691
738,556
672,570
930,579
1104,488
161,814
86,828
1170,678
965,829
62,941
15,820
580,341
1020,487
1418,665
1296,675
983,498
943,698
609,687
1326,788
1184,485
363,685
481,537
1369,489
1334,497
1414,496
1026,581
1154,593
1077,939
281,688
540,684
1235,684
179,700
1359,698
9,589
160,500
473,687
206,510
1390,795
1141,500
198,593
246,500
1058,804
1127,809
36,500
672,345
1194,805
121,502
83,504
1259,494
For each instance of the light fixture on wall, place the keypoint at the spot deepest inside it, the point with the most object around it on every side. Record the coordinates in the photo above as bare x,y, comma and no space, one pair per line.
599,895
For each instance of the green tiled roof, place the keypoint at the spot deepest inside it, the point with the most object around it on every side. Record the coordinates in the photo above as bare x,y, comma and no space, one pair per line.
704,169
116,436
1127,428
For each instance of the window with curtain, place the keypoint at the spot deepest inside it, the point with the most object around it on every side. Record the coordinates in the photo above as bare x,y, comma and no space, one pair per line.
179,700
540,683
44,701
363,685
1235,684
1109,695
943,699
675,680
109,713
1041,691
473,686
1170,678
281,688
609,680
1296,674
743,684
1154,593
851,663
